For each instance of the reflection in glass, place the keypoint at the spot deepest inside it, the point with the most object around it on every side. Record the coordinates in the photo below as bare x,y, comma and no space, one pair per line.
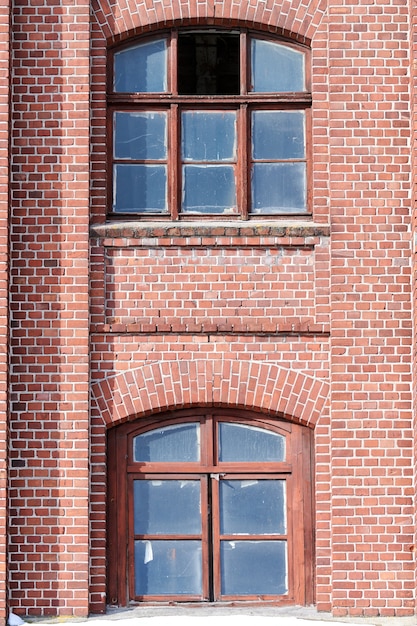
279,188
142,68
164,507
178,443
208,136
278,135
276,67
239,442
252,507
140,136
253,568
168,568
209,189
140,188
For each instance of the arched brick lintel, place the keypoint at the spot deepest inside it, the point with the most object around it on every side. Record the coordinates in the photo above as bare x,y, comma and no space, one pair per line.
296,20
269,388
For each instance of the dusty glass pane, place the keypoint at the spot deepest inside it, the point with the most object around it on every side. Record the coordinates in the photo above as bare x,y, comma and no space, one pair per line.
208,136
253,568
140,188
168,568
142,68
276,67
252,507
278,135
279,188
140,135
209,189
239,442
167,507
178,443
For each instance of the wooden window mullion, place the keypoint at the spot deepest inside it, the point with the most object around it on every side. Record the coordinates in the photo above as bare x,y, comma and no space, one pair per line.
173,64
243,163
174,161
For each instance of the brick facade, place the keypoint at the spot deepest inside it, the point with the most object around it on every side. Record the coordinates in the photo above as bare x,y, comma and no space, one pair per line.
310,320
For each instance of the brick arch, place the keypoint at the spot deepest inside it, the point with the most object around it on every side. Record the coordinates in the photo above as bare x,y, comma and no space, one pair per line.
157,387
297,19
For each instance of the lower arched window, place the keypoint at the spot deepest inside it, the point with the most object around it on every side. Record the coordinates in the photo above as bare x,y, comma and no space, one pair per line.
210,507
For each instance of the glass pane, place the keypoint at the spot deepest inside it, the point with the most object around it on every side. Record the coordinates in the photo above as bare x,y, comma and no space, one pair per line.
140,188
208,63
179,443
253,568
209,136
278,135
168,568
167,507
239,442
279,188
209,189
252,507
142,68
276,67
140,135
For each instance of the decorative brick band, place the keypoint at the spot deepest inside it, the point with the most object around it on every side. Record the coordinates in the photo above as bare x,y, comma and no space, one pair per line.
270,388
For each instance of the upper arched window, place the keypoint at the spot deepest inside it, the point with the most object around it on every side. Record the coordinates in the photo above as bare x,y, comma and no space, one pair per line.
209,123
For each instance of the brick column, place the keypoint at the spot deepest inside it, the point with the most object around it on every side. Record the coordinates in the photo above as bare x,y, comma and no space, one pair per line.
4,322
413,52
372,482
49,306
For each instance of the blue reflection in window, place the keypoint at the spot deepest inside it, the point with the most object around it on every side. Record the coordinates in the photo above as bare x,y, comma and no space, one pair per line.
142,68
141,135
140,188
276,67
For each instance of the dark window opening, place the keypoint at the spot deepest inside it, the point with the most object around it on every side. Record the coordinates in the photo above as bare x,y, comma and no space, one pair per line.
208,64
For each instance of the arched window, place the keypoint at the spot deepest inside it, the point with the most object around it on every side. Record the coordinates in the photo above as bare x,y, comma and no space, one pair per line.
209,123
209,507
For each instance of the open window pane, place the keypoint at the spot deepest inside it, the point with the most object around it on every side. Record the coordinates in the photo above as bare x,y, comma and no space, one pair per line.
253,568
279,188
252,507
177,443
278,135
208,136
168,568
209,189
140,136
208,63
243,443
167,507
142,68
140,188
276,67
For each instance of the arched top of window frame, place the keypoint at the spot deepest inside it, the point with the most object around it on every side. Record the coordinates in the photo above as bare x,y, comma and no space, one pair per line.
209,62
204,439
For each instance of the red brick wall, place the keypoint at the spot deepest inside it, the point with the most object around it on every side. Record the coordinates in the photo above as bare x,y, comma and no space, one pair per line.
318,330
4,321
413,161
48,517
371,436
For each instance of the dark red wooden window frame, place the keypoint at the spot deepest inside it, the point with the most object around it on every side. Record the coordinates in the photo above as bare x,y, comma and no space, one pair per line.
297,470
174,103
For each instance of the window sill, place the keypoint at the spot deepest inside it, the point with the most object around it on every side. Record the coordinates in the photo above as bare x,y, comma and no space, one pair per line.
298,229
